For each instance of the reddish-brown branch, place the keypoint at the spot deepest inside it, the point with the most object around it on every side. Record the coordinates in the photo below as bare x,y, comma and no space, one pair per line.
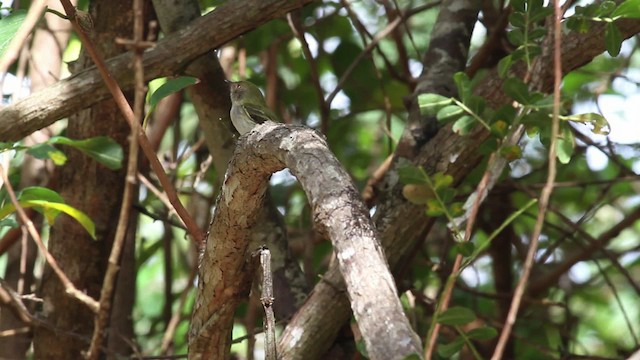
120,100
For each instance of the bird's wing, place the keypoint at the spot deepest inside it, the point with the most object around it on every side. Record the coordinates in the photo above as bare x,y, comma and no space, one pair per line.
258,115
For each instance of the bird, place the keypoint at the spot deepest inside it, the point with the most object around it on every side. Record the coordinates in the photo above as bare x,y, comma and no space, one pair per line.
248,107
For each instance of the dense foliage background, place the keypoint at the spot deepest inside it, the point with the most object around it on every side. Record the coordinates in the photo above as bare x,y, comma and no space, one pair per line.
350,69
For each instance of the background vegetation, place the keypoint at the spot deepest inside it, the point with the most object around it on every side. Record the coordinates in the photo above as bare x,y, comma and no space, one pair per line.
359,73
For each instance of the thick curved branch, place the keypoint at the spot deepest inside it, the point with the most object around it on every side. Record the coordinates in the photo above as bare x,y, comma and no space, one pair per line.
339,213
170,56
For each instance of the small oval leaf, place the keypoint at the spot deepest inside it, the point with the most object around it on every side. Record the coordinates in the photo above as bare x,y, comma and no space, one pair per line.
456,315
482,333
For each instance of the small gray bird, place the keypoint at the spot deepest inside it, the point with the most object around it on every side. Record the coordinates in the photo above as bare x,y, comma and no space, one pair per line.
248,107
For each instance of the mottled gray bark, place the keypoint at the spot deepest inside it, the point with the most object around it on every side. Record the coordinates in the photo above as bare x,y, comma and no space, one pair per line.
339,214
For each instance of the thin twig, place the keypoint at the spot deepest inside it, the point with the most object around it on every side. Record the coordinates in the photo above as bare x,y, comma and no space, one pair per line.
12,300
123,105
108,285
267,303
443,304
162,197
298,31
546,191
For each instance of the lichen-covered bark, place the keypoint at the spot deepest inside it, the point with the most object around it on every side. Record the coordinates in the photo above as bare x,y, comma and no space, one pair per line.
339,213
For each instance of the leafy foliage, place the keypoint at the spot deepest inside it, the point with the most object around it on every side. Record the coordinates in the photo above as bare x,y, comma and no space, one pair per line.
363,124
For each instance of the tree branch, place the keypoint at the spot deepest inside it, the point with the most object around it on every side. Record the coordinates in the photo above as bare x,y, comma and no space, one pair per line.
171,55
339,213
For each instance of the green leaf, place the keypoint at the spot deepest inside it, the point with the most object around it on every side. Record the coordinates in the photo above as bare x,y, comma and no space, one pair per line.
412,175
566,144
482,333
464,248
516,19
101,148
441,180
78,215
598,122
516,37
431,103
511,153
464,125
434,208
456,315
499,128
605,8
8,222
417,194
46,151
35,193
8,27
540,14
504,65
449,112
537,33
612,39
170,87
456,209
628,9
50,203
534,6
362,349
517,90
446,194
450,349
463,84
40,193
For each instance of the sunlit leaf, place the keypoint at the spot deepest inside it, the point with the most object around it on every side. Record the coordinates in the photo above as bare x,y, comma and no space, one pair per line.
170,87
431,103
565,146
78,215
628,9
434,208
8,27
50,204
463,83
46,151
441,180
598,122
450,112
101,148
464,125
